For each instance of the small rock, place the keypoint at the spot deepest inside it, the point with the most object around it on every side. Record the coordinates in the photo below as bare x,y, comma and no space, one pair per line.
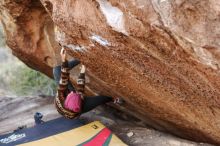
130,134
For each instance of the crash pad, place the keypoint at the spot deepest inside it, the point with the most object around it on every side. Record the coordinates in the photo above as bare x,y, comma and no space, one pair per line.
93,134
63,132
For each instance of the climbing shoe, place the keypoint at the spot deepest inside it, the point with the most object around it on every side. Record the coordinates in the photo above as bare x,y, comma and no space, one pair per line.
119,101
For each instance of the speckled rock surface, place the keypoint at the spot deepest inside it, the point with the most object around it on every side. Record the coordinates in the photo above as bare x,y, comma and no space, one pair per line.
162,56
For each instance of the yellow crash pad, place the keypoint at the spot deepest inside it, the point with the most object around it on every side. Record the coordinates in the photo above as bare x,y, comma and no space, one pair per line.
93,134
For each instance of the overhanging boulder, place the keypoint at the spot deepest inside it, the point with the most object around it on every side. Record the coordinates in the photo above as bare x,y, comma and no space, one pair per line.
162,56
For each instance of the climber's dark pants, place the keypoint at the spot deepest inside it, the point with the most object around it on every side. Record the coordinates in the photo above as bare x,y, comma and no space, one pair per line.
89,103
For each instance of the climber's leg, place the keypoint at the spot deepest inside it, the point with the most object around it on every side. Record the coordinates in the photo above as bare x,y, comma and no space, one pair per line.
73,63
90,103
57,73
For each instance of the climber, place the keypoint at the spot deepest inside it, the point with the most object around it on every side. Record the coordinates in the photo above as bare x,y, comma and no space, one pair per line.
71,102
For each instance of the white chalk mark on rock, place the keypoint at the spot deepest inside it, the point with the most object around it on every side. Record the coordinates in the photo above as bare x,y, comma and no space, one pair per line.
100,40
76,47
161,1
206,57
130,134
114,16
141,7
59,35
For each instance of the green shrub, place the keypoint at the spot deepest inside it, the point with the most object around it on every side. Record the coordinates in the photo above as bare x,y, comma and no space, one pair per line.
18,79
26,81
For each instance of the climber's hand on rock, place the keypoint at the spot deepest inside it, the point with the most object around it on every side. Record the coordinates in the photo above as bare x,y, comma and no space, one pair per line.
83,69
63,54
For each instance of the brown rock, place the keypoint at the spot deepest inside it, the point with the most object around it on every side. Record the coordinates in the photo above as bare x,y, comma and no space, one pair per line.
161,56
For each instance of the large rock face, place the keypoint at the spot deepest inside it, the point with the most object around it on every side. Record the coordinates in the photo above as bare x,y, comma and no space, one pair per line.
162,56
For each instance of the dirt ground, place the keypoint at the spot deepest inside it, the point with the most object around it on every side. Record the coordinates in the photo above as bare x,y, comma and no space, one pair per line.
19,111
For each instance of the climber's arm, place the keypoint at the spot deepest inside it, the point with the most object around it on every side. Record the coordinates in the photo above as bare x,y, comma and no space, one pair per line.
73,63
81,80
64,78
